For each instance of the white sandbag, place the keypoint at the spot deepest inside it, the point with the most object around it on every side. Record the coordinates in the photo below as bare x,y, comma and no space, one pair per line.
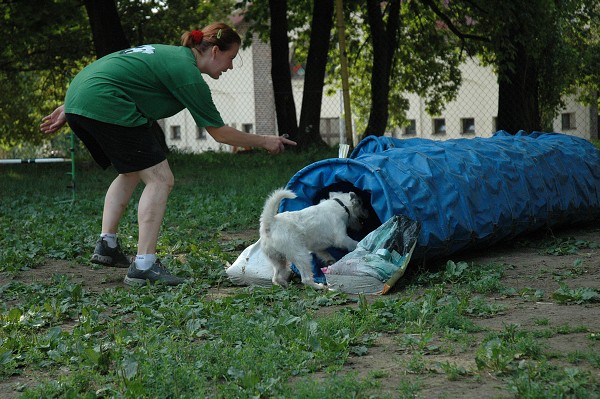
252,268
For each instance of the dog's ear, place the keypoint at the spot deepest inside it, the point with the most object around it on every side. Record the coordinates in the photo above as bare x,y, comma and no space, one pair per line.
355,199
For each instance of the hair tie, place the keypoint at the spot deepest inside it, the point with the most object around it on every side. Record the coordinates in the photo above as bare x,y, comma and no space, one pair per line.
197,36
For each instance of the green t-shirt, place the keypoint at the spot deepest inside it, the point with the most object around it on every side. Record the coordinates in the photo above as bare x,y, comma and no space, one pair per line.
142,84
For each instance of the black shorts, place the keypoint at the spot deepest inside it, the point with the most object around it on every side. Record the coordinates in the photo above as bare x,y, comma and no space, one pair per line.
128,149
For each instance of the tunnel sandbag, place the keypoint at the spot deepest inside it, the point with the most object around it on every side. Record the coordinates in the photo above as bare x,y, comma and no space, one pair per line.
379,260
465,193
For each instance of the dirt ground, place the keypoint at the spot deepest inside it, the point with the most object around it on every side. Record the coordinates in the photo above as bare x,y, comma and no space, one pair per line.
528,269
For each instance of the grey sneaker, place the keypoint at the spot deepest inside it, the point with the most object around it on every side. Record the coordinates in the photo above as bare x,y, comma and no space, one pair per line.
156,274
107,256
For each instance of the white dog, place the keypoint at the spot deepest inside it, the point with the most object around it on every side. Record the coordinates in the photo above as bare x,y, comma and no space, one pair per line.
294,236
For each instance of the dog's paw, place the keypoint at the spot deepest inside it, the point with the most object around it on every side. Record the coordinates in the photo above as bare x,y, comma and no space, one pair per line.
280,282
317,286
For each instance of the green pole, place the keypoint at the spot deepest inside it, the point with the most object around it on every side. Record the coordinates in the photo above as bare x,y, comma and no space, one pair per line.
72,166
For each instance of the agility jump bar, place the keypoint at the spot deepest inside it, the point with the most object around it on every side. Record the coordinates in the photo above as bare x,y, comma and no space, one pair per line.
51,160
34,160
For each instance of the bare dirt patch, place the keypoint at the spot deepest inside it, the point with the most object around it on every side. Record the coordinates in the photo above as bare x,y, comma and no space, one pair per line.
532,274
94,278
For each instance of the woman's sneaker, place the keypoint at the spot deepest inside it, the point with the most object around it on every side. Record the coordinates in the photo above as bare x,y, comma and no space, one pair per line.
156,274
107,256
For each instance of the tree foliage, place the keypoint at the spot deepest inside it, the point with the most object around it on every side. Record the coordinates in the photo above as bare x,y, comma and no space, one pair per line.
160,21
46,45
423,61
540,50
43,48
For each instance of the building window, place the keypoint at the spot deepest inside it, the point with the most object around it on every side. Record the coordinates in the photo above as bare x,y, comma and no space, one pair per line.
248,127
439,126
200,133
411,129
175,132
468,125
567,121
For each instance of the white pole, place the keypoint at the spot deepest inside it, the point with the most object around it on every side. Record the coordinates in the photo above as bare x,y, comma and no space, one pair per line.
34,160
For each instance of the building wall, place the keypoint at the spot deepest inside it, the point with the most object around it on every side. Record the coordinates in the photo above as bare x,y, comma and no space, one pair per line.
478,100
583,120
244,97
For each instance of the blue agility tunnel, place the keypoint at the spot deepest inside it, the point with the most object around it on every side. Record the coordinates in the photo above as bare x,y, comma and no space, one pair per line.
465,193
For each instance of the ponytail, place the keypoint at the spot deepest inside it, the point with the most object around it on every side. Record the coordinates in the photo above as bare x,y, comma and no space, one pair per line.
216,34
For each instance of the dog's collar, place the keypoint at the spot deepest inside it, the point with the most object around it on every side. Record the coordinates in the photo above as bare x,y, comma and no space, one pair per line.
342,205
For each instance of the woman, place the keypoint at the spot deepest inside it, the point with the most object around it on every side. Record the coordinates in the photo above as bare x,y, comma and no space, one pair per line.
111,105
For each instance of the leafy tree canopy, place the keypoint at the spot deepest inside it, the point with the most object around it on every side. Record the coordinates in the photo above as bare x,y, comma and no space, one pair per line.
560,38
43,47
435,36
47,44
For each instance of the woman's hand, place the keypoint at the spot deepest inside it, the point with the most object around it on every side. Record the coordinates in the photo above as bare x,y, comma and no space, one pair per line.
276,144
229,135
51,123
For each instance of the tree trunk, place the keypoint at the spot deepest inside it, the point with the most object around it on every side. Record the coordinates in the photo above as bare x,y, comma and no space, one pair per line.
309,131
109,37
280,70
518,103
384,40
106,27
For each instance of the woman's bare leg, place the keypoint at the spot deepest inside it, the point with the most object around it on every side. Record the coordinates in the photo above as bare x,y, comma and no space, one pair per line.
159,181
116,200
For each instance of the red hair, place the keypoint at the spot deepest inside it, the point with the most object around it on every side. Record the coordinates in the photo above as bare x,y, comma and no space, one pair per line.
216,34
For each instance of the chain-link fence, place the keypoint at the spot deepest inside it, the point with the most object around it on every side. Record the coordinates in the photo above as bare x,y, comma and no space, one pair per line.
244,96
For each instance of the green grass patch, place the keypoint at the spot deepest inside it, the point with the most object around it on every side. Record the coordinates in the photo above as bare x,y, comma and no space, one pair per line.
213,192
185,342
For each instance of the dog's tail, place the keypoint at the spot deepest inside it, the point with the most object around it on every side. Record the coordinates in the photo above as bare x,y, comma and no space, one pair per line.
271,208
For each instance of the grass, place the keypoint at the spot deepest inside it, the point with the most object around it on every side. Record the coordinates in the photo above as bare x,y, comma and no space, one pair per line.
154,342
205,187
